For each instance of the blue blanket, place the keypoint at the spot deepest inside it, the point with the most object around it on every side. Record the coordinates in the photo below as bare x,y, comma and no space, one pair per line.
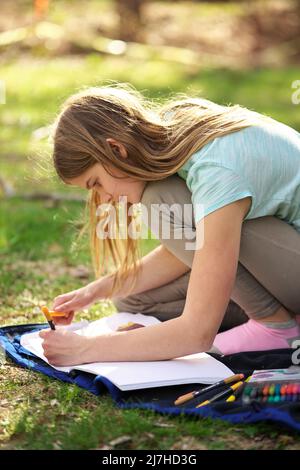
161,399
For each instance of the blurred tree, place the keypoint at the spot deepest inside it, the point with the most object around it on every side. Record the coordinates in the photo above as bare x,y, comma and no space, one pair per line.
298,17
130,19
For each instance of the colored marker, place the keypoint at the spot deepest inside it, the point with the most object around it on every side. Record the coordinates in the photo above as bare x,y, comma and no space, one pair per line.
53,313
272,389
238,392
48,317
266,390
221,394
189,396
283,389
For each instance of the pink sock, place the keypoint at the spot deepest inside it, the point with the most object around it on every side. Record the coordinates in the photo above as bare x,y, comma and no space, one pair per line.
256,336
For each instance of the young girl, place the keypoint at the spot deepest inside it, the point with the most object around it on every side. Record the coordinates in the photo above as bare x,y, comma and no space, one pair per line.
240,170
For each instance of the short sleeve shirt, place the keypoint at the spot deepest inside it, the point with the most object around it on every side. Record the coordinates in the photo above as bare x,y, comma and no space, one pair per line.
261,161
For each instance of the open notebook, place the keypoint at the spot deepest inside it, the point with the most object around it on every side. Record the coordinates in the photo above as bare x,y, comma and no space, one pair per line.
194,368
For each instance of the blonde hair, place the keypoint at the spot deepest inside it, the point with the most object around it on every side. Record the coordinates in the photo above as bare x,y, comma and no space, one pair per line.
159,139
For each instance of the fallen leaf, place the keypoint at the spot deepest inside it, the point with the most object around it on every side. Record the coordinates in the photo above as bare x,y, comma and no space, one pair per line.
120,441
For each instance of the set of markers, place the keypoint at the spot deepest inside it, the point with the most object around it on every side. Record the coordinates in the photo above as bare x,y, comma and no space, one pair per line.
228,389
273,386
267,386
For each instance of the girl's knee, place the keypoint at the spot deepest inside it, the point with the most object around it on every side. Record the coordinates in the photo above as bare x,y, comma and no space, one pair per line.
269,228
258,225
130,304
171,189
136,303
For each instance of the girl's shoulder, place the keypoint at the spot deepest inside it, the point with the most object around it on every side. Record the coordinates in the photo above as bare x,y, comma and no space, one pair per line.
266,127
264,139
265,136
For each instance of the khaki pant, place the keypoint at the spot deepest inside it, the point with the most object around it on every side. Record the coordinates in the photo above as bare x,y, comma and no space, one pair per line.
268,273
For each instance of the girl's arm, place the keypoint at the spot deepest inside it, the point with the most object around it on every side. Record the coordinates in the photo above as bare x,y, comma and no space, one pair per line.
212,278
157,268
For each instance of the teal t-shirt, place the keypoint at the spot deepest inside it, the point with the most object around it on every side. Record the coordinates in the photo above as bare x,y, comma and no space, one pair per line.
261,161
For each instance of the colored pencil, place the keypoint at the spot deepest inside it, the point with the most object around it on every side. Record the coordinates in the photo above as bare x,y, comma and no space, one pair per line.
221,394
238,391
189,396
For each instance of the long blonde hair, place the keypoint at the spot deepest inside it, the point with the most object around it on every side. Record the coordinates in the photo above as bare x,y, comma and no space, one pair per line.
159,139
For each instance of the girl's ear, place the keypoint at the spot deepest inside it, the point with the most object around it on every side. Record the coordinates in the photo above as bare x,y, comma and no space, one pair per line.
117,146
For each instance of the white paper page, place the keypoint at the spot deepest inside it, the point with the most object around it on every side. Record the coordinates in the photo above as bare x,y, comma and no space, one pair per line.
33,342
194,368
112,322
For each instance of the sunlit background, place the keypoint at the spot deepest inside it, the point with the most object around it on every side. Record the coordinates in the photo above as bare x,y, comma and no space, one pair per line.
245,52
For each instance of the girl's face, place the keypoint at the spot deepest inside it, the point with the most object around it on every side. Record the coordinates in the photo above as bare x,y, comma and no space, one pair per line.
110,188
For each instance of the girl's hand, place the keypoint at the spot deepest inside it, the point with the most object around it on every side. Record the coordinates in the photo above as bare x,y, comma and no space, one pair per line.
64,348
66,320
75,300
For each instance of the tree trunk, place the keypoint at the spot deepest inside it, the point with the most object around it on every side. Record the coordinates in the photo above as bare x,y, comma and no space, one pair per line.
130,20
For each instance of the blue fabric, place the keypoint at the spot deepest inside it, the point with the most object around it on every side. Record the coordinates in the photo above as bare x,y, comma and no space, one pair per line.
261,161
160,399
10,342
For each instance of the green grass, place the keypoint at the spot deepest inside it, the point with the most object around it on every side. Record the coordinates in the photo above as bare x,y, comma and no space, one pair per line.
61,416
37,262
40,255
